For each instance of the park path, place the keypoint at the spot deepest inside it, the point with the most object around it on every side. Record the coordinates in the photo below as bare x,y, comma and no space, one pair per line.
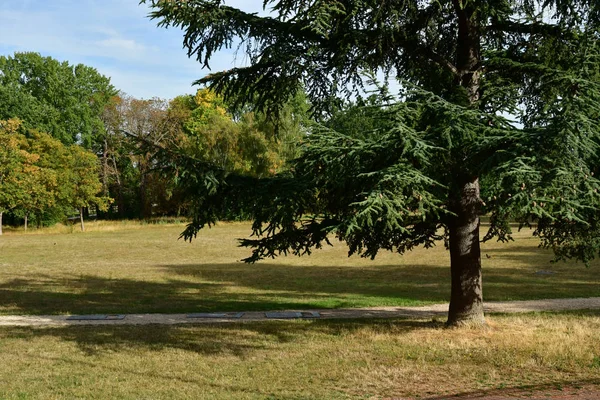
375,312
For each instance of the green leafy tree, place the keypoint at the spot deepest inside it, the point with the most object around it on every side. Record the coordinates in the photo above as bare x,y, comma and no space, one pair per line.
246,144
53,161
415,179
243,141
42,191
283,130
13,166
39,190
55,97
82,182
211,131
66,178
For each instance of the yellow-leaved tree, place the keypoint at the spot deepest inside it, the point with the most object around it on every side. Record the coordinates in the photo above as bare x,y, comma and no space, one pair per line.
15,163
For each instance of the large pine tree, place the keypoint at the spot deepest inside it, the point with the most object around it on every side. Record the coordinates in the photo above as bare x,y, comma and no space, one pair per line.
415,178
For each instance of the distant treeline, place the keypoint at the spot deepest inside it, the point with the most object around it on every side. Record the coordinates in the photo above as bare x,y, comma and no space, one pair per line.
71,143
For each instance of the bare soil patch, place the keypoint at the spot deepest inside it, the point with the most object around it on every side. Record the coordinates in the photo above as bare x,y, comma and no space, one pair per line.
572,392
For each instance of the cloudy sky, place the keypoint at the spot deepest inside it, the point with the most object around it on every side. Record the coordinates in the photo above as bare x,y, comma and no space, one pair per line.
113,36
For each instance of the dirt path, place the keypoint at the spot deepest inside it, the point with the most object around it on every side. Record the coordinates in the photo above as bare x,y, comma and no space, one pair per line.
378,312
571,392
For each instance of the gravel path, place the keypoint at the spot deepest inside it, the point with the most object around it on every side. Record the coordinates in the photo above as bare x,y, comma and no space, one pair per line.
376,312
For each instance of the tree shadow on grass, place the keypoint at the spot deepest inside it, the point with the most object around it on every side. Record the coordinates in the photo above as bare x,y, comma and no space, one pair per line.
408,284
240,340
237,339
268,286
226,287
95,295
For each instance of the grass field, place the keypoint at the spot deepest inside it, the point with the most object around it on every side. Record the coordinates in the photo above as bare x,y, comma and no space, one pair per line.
133,268
299,359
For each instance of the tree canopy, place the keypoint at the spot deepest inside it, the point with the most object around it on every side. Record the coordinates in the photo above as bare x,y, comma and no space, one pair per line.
62,108
39,174
51,96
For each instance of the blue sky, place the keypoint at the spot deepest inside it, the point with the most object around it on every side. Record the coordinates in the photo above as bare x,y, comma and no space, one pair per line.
113,36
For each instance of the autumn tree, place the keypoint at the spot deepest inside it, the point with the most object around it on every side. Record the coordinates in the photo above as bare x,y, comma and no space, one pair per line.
145,121
242,143
66,178
114,150
29,180
39,190
127,154
13,162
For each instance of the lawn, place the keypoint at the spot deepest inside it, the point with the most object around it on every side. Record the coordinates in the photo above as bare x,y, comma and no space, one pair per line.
129,268
132,268
299,359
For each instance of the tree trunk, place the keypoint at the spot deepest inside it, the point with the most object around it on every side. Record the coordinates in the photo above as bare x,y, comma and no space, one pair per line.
81,219
143,212
26,220
120,200
1,223
105,168
466,298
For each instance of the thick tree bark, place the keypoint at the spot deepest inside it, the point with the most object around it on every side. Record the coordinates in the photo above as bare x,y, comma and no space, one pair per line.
1,223
26,221
466,298
81,219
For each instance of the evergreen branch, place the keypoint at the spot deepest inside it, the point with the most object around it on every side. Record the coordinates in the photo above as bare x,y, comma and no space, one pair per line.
284,43
536,28
429,54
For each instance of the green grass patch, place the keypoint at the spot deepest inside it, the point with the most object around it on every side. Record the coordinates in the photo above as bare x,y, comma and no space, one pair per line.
299,359
133,268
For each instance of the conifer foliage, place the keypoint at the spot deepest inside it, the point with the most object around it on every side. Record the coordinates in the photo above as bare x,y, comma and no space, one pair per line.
437,156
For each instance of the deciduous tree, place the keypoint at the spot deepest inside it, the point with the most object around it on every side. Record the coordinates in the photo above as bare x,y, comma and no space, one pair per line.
63,100
13,163
82,182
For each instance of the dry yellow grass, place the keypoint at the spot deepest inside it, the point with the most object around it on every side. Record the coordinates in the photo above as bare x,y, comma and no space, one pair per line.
137,268
131,268
95,226
300,359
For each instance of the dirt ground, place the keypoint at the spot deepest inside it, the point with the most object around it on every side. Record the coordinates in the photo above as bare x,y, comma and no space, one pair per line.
574,392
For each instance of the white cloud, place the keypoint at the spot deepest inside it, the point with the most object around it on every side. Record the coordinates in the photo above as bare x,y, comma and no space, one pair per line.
123,44
113,36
